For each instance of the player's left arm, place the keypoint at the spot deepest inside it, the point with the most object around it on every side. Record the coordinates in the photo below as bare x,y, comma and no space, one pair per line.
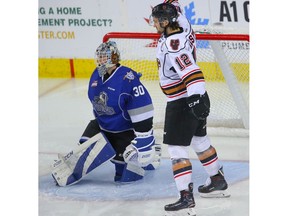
193,78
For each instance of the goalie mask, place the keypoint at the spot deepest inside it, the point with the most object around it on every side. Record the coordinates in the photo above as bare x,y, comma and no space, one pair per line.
106,56
162,12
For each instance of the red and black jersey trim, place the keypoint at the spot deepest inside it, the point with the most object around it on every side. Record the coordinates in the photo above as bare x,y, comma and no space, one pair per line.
174,88
194,77
180,86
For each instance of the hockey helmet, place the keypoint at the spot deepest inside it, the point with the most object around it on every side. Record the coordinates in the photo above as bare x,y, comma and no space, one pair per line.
106,56
164,11
175,3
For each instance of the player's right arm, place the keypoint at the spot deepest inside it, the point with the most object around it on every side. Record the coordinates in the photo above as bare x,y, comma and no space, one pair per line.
140,109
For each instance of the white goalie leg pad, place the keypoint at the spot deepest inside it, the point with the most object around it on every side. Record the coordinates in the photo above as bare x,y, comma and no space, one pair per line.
127,172
132,173
200,144
157,158
145,158
71,167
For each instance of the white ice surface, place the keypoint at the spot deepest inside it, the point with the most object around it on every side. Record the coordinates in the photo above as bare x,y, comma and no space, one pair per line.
64,111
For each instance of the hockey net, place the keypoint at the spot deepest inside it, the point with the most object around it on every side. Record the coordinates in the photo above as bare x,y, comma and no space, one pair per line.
224,60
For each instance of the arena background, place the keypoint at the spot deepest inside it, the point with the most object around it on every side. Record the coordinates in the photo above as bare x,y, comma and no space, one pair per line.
69,31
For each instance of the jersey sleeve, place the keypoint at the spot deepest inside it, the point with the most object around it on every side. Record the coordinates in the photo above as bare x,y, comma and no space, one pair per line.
139,104
183,21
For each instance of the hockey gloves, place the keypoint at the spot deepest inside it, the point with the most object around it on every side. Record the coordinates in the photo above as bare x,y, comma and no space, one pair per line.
199,105
141,151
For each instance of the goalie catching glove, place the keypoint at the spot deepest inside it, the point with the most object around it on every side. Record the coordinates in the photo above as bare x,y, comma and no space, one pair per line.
141,151
199,105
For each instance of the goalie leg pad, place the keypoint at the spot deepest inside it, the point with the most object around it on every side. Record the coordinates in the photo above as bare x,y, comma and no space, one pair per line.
89,160
132,173
127,172
72,167
157,158
119,168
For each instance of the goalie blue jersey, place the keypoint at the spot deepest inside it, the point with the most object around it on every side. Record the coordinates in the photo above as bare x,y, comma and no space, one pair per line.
120,100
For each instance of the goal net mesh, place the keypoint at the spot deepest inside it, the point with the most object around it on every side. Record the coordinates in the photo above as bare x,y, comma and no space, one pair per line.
138,51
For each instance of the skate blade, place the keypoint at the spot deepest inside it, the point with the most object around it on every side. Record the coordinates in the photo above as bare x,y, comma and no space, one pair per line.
216,194
182,212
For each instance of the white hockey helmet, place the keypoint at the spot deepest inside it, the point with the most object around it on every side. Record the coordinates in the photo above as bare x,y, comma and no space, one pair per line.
106,56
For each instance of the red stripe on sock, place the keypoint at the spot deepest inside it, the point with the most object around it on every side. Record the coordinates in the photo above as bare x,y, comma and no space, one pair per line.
206,164
181,174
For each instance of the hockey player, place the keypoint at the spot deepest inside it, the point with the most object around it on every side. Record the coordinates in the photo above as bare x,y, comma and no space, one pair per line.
188,106
123,113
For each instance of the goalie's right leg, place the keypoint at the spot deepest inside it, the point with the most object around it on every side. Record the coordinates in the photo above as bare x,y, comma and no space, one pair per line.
79,162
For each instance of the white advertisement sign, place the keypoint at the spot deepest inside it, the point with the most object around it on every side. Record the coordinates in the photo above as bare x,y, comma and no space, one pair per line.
74,28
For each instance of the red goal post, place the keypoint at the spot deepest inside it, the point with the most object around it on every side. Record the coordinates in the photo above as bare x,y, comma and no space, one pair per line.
224,60
142,35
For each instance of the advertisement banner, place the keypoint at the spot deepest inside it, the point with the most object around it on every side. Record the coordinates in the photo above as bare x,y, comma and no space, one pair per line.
74,28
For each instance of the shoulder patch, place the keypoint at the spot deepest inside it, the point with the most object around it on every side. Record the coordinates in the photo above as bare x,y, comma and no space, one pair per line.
129,75
174,44
94,83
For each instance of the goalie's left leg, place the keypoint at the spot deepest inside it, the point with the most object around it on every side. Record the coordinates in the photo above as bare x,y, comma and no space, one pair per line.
127,172
157,158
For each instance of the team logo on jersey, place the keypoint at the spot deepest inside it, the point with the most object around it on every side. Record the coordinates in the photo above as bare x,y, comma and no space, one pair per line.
130,76
175,44
100,105
94,83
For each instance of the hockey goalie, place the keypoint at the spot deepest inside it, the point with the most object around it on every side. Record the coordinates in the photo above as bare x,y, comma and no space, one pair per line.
122,131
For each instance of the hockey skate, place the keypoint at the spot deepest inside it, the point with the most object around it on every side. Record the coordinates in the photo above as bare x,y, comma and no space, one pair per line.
215,186
184,206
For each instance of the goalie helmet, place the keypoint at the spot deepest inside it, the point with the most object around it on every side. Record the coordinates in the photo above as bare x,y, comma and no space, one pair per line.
106,56
165,11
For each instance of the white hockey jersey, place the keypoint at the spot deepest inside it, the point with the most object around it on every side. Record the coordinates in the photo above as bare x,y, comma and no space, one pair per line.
179,74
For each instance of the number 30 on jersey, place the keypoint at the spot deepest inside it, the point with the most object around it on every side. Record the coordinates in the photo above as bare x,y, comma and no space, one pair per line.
138,90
